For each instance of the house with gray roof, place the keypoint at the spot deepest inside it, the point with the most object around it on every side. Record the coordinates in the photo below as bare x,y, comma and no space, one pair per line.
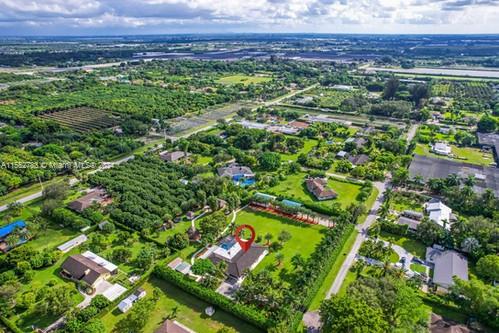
447,264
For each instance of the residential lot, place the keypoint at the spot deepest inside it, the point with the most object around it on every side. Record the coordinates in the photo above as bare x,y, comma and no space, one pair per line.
267,223
189,311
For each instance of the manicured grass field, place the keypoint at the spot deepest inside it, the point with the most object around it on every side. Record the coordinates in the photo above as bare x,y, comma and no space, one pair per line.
413,246
418,268
293,187
304,237
190,312
307,147
463,154
244,79
202,160
328,281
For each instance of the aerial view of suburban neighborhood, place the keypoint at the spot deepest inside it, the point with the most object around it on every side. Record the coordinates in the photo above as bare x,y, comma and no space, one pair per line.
168,167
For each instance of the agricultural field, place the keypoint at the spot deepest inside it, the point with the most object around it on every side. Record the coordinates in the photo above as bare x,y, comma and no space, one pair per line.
462,154
466,89
327,98
244,79
83,119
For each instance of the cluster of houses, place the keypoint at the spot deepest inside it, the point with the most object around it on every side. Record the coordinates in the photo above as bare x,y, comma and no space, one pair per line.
445,263
292,128
436,211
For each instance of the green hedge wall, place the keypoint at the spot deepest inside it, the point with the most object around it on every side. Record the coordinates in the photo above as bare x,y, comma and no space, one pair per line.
243,312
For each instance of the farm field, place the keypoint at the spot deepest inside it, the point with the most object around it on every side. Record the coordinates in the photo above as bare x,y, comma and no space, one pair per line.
243,79
83,119
267,223
293,187
329,98
190,312
463,154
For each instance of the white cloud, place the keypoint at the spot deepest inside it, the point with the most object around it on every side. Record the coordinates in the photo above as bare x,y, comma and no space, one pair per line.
169,16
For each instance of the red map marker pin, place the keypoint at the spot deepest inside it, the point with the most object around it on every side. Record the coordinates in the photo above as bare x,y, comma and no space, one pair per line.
245,243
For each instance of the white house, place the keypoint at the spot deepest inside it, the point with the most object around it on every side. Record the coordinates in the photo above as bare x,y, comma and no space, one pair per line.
71,244
441,148
127,303
439,213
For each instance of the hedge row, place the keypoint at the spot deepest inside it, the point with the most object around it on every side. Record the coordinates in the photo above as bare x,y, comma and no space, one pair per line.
393,228
243,312
333,256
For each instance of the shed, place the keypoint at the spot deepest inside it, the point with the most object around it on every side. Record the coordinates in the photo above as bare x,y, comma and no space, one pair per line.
72,243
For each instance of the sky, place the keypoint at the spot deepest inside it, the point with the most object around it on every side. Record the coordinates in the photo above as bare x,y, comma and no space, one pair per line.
115,17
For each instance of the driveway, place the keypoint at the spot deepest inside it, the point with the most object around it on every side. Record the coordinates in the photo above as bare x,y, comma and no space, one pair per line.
361,237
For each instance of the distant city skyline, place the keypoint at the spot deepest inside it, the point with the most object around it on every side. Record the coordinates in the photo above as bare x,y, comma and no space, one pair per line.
117,17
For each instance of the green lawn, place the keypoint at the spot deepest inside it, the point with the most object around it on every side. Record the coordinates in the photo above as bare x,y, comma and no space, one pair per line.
293,187
462,154
400,203
413,246
202,160
244,79
304,237
418,268
52,237
180,227
394,257
328,281
190,312
307,147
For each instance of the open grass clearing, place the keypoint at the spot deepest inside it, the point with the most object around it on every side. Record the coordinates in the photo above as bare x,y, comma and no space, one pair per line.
244,79
463,154
190,312
308,145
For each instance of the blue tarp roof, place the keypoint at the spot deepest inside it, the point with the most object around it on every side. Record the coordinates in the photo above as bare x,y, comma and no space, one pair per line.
7,229
291,203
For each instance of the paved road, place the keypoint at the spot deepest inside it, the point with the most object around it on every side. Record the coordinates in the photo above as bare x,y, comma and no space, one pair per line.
361,237
412,132
72,181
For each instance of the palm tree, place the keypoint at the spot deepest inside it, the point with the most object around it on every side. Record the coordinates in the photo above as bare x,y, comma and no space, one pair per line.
358,267
470,244
268,237
12,240
222,268
279,257
297,261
